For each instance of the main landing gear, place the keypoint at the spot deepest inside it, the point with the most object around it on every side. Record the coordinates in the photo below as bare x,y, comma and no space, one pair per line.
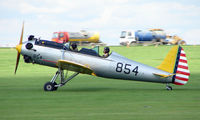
52,85
168,87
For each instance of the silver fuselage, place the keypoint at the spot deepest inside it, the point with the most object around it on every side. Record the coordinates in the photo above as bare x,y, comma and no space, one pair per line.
115,66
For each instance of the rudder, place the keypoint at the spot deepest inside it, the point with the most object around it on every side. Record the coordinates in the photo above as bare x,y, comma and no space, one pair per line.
176,63
181,70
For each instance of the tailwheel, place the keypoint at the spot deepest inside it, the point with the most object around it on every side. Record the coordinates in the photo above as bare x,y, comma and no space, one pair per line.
49,86
168,87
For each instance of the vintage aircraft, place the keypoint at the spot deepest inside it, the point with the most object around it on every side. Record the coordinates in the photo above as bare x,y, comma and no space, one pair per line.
174,68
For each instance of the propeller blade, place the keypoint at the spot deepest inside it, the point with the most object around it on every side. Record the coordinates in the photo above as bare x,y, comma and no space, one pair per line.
18,48
17,62
22,33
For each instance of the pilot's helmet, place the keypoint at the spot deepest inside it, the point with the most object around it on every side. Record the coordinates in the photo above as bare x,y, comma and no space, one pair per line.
74,46
106,50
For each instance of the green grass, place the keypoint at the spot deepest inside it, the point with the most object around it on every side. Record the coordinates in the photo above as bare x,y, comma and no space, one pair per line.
93,98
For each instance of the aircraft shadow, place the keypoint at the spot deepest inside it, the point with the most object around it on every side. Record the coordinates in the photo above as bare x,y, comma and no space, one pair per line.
100,89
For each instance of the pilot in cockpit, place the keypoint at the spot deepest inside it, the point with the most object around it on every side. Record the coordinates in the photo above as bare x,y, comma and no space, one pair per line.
106,52
74,47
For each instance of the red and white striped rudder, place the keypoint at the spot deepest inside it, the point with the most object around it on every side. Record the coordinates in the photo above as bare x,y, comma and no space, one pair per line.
181,70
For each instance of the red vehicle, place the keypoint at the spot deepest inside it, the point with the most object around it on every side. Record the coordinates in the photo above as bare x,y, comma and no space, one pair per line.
60,37
63,37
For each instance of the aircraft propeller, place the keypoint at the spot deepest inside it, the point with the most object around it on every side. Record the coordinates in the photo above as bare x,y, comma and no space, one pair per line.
18,48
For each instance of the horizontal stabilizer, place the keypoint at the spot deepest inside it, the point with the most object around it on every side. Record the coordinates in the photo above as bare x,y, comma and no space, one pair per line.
162,75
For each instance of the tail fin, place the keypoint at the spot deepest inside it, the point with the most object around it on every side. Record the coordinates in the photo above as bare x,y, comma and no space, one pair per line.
176,63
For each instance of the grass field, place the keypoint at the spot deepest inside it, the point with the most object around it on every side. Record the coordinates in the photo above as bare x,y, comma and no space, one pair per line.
93,98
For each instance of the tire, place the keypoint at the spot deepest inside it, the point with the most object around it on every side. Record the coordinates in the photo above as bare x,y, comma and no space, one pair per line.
49,86
169,88
181,42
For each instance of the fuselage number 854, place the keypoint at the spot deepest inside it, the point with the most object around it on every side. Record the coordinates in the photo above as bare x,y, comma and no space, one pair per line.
126,68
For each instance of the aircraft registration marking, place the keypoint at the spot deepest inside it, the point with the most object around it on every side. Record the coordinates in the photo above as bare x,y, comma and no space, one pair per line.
126,68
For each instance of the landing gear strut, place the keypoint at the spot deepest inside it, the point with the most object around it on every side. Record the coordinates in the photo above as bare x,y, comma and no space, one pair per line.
52,85
168,87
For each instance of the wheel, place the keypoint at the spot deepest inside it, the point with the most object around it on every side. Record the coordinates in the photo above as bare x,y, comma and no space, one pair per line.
169,88
55,88
49,86
181,42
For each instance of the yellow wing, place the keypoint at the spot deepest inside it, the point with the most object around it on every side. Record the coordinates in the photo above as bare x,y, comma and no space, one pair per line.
73,66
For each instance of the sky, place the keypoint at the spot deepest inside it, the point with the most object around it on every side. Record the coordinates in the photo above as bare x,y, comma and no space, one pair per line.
108,17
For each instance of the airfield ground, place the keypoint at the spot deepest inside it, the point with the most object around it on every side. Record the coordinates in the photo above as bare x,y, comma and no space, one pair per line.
93,98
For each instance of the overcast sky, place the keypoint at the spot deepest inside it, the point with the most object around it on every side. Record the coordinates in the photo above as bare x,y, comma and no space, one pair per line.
109,17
